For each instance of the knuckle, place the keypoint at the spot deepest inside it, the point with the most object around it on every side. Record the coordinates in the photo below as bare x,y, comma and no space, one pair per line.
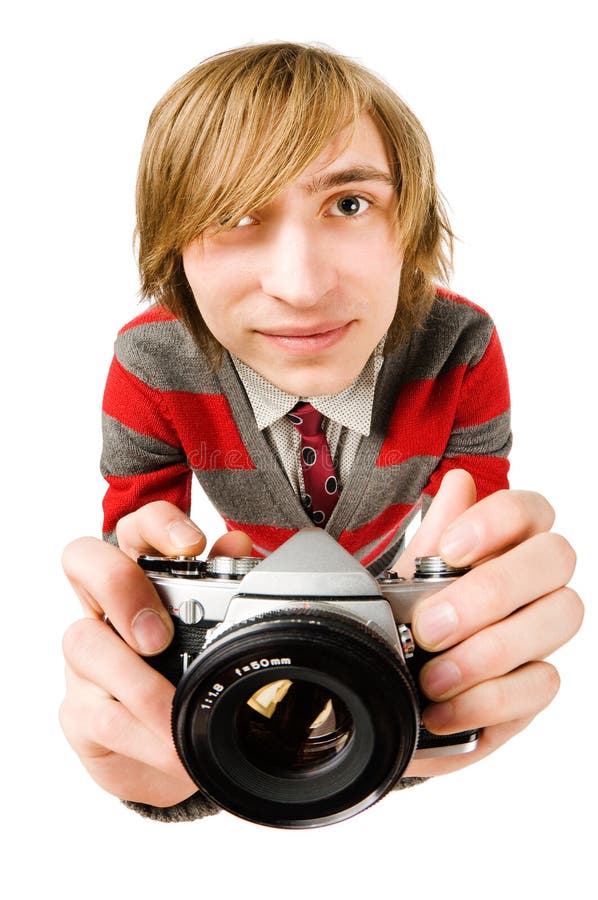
145,694
528,511
494,651
70,719
108,724
121,526
573,608
66,557
64,717
489,588
546,511
550,682
115,577
149,692
497,697
516,510
78,638
488,702
70,555
157,507
154,699
557,548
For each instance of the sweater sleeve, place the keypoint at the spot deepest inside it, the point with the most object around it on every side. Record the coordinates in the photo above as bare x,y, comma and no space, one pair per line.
481,436
198,806
142,457
143,460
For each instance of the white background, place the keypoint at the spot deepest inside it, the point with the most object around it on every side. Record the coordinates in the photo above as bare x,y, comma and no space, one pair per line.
506,92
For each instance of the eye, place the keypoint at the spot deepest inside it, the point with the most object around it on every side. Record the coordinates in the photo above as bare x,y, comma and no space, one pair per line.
227,223
246,220
350,206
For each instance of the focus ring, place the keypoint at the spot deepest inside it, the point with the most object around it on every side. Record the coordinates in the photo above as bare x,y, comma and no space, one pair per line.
315,646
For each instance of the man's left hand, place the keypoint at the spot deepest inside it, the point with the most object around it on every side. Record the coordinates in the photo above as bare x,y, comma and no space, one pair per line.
494,626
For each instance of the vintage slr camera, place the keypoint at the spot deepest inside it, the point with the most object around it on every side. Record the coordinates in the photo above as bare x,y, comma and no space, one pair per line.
297,702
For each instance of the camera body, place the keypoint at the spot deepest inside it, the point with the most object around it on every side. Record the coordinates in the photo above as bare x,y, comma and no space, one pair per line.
297,701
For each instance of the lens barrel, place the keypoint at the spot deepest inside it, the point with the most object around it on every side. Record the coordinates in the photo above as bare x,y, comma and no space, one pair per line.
297,718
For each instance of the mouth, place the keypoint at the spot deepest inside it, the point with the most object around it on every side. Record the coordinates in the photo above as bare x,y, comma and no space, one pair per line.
306,339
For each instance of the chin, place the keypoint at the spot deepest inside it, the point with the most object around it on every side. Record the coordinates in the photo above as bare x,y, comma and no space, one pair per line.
313,384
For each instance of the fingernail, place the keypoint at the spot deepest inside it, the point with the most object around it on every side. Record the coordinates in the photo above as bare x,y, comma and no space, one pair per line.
458,544
435,624
183,533
150,631
439,677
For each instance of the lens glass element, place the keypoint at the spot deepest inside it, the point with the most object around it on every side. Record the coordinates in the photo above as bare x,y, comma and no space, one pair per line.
293,727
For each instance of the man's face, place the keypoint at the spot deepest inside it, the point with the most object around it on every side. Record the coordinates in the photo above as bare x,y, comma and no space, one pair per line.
304,288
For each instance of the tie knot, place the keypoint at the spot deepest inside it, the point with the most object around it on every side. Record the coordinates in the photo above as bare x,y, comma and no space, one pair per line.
306,419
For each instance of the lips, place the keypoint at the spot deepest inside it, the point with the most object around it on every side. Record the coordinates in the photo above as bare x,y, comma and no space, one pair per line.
311,339
303,331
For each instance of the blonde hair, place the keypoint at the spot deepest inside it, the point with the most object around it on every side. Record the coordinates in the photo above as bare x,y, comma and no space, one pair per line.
233,132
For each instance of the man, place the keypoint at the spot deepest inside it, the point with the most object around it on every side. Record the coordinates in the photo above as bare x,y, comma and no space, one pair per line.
291,233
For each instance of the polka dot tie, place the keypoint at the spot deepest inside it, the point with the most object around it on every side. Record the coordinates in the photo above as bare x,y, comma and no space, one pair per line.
321,487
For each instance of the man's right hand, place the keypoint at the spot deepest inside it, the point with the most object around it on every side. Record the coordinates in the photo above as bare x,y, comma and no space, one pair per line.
116,712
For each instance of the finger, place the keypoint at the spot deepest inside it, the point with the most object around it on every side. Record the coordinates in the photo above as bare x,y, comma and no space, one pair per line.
129,775
518,695
234,543
96,725
109,583
533,633
95,653
159,527
457,493
134,781
491,738
488,593
497,522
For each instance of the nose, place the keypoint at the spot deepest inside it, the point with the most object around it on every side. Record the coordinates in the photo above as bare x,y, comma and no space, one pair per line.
297,269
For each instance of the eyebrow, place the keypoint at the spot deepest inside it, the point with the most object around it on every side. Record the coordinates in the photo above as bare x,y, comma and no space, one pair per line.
345,176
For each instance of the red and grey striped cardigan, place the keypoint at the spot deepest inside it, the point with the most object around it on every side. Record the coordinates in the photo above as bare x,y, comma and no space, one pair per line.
441,402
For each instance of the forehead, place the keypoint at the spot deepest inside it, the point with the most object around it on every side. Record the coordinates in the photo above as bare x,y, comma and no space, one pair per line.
361,144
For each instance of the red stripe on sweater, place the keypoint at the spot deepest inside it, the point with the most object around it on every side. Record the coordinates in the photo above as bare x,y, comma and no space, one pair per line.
476,403
490,473
126,494
201,423
266,537
270,538
385,524
379,548
427,411
133,403
214,441
422,419
210,441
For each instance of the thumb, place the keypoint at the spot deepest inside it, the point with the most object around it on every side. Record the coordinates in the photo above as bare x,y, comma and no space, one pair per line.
234,543
456,493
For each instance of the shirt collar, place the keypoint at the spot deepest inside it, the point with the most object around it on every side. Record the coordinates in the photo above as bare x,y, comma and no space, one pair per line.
351,408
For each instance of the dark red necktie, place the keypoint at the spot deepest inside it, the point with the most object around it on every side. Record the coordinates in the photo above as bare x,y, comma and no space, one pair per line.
321,487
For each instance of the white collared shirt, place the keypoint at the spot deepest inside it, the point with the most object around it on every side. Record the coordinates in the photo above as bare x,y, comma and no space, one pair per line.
347,417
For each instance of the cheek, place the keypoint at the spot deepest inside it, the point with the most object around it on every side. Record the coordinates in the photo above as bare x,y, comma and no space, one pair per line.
209,286
381,276
388,294
377,257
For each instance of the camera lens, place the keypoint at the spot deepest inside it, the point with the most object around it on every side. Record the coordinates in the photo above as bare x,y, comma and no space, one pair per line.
293,727
297,718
